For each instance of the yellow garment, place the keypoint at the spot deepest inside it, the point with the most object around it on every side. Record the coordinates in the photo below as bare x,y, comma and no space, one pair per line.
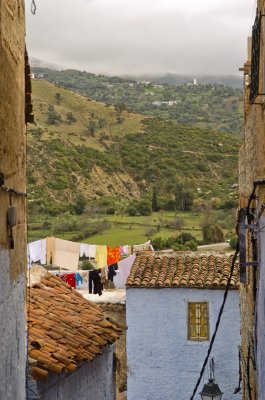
66,254
101,256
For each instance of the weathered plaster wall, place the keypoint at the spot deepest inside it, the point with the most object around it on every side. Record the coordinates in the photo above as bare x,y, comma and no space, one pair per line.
95,380
12,165
252,167
118,313
162,363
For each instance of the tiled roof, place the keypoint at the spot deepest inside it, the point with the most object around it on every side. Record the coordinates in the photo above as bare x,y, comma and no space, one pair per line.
183,270
64,329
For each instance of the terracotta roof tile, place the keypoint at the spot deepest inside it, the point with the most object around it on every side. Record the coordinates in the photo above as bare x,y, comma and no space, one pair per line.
183,270
64,328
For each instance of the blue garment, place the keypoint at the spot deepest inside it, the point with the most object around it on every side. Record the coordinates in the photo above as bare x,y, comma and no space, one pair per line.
78,278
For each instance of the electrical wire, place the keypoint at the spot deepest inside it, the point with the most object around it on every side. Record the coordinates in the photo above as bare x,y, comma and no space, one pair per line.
218,321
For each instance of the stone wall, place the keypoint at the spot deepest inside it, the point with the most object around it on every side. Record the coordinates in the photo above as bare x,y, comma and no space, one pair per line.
94,380
12,166
251,168
162,363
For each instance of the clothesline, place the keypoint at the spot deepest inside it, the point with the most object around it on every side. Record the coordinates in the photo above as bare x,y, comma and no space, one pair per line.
66,254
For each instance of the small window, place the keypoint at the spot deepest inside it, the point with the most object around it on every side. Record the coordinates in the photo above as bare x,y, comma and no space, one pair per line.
198,321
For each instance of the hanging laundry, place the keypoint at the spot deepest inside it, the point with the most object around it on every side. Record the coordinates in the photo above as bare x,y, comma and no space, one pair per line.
84,276
69,278
37,252
125,250
50,249
141,247
101,256
124,269
78,278
95,286
89,250
112,271
66,254
104,275
114,255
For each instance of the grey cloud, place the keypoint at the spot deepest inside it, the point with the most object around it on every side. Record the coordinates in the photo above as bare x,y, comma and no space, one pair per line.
147,36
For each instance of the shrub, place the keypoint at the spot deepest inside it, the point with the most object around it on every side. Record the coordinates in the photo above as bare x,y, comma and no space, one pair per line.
110,211
233,242
87,266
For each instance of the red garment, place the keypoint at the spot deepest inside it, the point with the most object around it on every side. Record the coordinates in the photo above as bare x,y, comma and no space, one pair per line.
70,279
113,255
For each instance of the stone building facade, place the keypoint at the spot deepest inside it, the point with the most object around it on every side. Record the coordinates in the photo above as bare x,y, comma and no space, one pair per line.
251,220
12,175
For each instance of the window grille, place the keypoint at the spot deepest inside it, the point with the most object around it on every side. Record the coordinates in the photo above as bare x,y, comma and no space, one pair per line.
257,63
255,59
198,321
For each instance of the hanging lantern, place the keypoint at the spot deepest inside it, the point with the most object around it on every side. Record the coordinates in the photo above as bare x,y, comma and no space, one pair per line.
211,390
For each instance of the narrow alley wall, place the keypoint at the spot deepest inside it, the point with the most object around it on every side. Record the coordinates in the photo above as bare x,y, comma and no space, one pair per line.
12,169
117,312
251,168
94,380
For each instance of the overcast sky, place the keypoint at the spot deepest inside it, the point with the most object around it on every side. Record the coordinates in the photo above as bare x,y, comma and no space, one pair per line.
141,36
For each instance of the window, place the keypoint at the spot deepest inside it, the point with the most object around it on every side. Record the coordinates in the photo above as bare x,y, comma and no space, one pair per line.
198,321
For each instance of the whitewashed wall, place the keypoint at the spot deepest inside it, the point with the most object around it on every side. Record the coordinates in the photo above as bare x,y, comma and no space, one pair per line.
162,363
95,380
12,332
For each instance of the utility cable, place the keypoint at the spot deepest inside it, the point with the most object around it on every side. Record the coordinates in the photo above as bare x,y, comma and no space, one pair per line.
218,321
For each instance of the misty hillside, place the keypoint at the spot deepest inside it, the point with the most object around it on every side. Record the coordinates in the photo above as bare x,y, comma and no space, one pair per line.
83,147
234,81
212,105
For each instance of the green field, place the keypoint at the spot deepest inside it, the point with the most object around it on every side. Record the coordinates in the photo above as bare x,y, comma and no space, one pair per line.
122,229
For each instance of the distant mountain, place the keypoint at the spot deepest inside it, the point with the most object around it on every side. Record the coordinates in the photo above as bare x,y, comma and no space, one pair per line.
210,105
37,63
82,147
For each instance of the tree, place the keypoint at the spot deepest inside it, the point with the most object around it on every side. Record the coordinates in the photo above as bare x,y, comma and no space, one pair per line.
184,197
70,118
91,127
144,207
177,223
53,116
120,106
80,204
58,97
211,230
102,123
154,201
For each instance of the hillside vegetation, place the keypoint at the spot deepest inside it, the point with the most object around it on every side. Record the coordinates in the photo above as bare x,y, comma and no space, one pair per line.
81,150
213,106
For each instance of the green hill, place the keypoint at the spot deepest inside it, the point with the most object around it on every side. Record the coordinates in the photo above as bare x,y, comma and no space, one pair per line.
212,105
80,147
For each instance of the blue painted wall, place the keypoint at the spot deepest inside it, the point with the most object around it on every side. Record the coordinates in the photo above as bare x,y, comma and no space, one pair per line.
95,380
162,363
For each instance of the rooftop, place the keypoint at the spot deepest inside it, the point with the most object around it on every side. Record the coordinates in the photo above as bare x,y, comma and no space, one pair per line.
64,329
188,270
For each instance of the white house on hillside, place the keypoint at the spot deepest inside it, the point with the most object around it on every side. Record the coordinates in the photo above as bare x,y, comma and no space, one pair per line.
172,304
